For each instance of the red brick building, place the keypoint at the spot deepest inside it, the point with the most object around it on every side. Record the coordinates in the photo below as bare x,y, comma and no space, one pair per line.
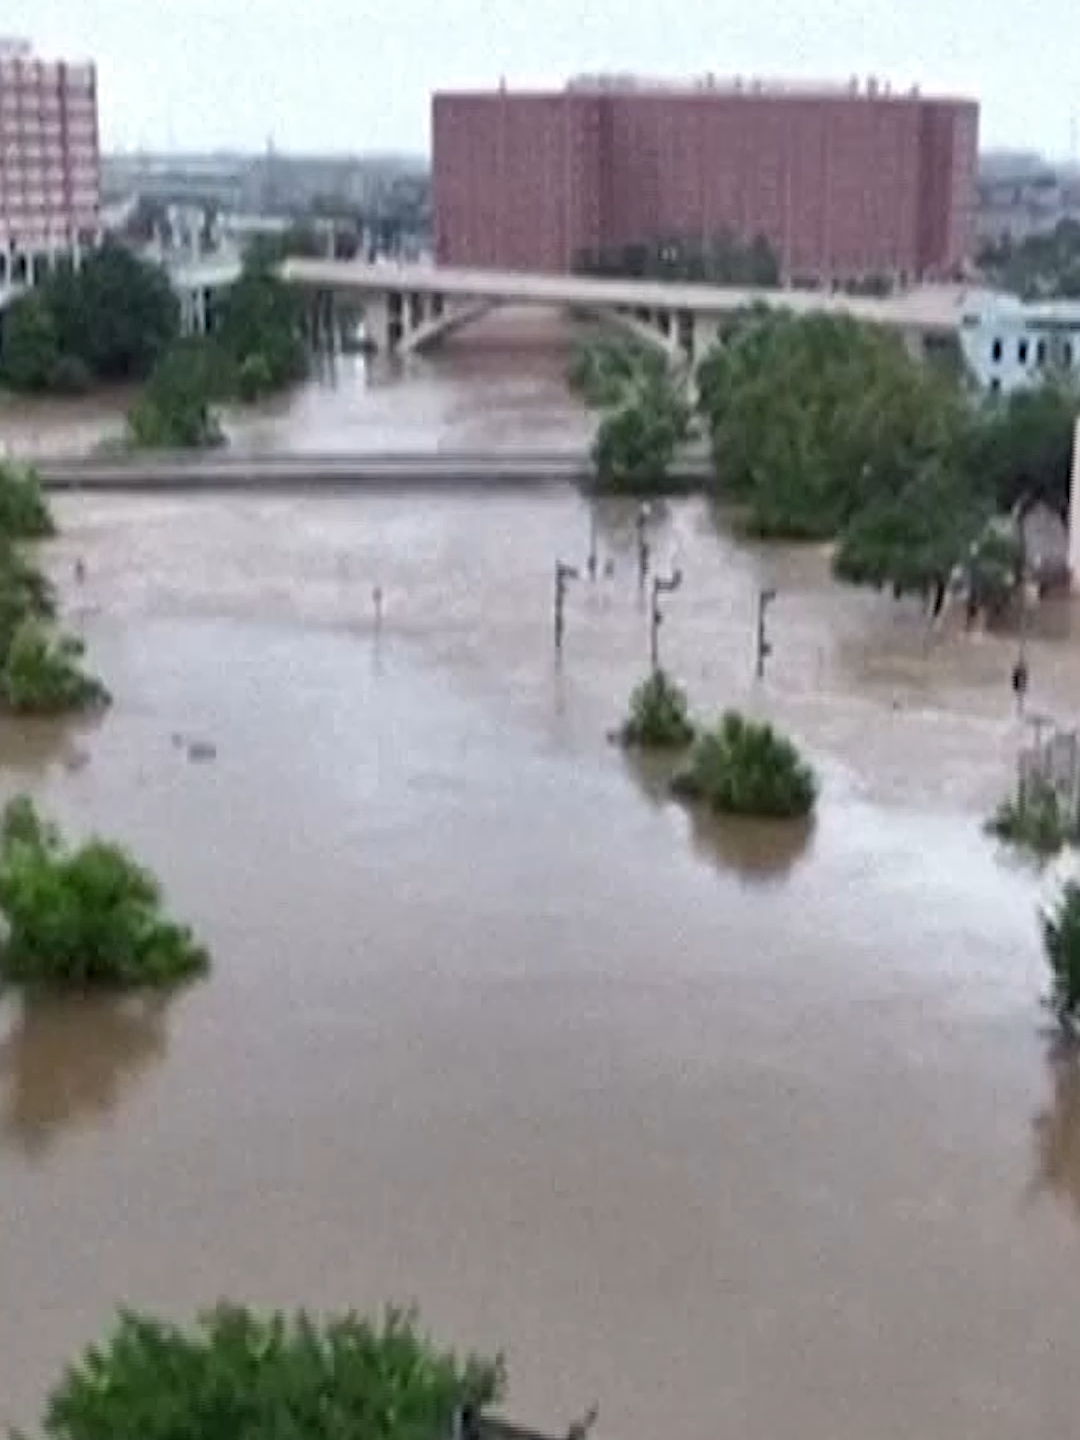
50,172
842,183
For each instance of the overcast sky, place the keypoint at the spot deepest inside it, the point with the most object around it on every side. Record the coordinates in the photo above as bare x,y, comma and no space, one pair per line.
356,75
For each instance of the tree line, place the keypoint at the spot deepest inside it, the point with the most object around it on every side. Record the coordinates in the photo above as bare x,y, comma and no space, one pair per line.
116,320
822,428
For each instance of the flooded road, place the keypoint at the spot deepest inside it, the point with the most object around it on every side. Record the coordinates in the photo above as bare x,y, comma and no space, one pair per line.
732,1138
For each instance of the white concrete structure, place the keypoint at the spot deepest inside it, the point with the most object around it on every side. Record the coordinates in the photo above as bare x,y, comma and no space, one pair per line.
408,306
1010,344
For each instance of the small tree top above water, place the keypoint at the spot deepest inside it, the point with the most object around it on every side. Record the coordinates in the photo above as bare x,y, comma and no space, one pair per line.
1061,942
745,767
83,916
239,1376
659,717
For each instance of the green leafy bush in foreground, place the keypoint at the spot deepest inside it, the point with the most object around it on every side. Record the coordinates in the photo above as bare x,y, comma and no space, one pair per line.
659,716
239,1376
1061,942
86,915
745,767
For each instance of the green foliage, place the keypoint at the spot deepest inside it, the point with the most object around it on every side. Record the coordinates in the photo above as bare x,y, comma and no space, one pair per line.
117,313
259,323
24,510
912,539
24,594
1034,819
30,353
659,716
43,673
254,378
1061,943
238,1376
994,570
809,417
636,443
745,767
1020,446
108,321
83,916
174,411
604,371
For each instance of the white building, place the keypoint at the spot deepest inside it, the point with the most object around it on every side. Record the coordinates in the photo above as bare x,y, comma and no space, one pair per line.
1009,343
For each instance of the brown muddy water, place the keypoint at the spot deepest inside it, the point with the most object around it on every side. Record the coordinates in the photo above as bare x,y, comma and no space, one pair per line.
737,1135
733,1137
497,385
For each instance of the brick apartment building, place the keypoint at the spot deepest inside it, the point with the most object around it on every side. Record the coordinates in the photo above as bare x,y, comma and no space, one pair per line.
843,183
50,172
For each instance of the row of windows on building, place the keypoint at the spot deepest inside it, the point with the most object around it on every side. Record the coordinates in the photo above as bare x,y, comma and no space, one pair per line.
1038,351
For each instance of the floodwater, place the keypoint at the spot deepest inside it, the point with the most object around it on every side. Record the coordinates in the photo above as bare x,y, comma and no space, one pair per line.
499,385
733,1134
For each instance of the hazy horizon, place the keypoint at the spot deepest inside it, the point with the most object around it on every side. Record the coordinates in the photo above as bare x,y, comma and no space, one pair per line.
348,78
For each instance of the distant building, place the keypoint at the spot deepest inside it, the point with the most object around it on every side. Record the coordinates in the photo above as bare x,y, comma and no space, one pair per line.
50,177
1009,343
843,183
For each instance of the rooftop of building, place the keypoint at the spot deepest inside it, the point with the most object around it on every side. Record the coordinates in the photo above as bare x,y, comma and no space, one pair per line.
871,88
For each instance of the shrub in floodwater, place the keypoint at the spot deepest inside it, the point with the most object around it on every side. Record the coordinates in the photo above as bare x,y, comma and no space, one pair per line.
241,1376
659,716
86,915
24,510
43,674
746,767
1061,942
1034,820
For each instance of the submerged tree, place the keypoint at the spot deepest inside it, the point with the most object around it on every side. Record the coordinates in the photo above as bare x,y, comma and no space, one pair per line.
86,915
241,1376
659,716
745,767
1061,943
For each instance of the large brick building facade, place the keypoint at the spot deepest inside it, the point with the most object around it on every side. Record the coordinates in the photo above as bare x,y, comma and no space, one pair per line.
842,183
50,172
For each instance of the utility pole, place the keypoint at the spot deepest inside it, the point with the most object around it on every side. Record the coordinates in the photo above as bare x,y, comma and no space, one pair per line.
764,647
661,585
563,575
592,561
643,517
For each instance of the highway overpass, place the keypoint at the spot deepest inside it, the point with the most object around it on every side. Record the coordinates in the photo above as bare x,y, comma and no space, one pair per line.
409,306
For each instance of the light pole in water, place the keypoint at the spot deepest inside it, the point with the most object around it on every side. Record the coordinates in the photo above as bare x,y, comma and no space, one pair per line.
563,575
661,585
764,647
643,517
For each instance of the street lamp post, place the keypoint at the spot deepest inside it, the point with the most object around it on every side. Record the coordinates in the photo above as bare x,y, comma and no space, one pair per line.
593,560
764,647
563,575
643,517
662,585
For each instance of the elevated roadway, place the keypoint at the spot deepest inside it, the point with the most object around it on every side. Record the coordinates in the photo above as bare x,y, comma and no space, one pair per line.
298,473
